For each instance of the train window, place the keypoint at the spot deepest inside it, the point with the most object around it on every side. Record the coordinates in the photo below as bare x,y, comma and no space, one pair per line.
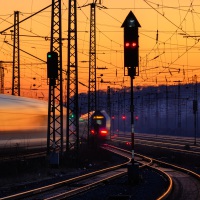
98,117
99,122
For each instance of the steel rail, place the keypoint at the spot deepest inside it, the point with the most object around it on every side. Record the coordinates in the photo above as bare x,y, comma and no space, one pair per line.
161,172
112,149
168,192
33,192
163,147
170,140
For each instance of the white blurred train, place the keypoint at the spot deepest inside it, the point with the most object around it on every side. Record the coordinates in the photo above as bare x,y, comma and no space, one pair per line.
23,122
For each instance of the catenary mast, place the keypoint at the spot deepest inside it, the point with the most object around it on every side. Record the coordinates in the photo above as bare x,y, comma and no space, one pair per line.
55,101
72,80
16,57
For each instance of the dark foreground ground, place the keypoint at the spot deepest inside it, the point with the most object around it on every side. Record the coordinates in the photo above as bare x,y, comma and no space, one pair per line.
150,187
21,175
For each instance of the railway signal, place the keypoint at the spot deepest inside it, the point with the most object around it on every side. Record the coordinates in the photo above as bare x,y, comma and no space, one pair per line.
131,45
52,64
131,68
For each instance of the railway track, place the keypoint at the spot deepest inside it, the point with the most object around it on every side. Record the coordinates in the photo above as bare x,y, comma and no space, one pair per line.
82,183
23,155
169,143
182,183
177,139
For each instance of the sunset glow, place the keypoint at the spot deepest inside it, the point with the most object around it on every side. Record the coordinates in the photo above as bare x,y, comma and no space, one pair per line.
168,43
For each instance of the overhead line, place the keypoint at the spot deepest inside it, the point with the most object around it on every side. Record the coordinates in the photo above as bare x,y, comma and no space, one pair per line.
27,18
28,53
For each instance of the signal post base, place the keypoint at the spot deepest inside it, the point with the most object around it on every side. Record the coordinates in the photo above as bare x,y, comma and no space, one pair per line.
133,173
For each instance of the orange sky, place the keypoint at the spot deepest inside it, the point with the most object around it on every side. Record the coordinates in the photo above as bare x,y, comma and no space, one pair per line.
169,58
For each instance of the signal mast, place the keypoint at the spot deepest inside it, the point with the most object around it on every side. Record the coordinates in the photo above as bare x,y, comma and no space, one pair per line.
131,68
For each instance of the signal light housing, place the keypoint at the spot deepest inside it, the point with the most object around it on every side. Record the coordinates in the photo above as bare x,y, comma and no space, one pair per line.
52,65
131,56
131,45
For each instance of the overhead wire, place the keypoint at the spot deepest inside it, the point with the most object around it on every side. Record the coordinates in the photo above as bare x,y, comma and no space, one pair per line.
175,33
159,42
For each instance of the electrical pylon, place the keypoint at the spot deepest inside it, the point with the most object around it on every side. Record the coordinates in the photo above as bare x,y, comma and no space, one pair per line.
1,79
92,97
109,105
16,57
72,81
55,101
92,66
195,109
179,104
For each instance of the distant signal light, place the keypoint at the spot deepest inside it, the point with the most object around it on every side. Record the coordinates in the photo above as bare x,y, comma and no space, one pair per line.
92,132
123,117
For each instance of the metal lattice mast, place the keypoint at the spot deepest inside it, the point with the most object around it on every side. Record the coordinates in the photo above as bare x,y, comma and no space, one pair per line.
16,57
109,105
92,65
179,104
72,80
1,79
55,102
167,106
195,109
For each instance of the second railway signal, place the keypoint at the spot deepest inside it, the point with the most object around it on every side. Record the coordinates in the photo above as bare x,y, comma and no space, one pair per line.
52,65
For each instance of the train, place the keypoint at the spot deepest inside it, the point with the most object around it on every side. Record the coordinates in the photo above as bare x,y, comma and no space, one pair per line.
100,124
23,122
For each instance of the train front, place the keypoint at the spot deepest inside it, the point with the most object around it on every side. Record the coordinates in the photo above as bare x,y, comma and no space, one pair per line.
100,125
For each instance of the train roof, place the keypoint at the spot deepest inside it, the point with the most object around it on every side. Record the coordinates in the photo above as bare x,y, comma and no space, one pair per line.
85,116
16,99
103,112
9,103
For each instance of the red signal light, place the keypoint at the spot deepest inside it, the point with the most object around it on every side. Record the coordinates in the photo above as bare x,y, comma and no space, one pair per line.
127,44
136,117
123,117
134,44
92,132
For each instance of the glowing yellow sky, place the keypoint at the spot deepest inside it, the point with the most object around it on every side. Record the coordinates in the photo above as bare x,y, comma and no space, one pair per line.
171,57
